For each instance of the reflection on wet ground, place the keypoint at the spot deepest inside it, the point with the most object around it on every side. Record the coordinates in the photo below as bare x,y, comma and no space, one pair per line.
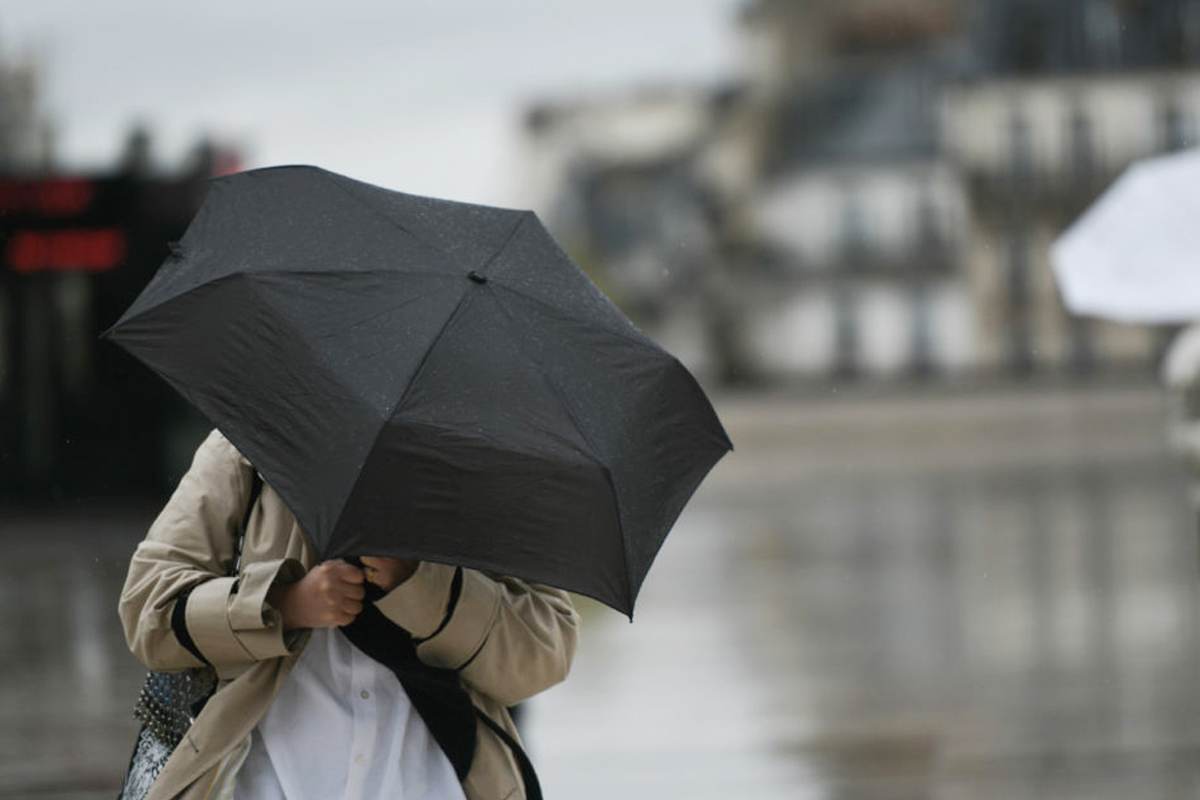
888,612
67,681
990,596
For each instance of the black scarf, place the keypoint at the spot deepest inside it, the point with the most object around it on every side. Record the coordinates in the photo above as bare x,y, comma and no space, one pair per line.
436,694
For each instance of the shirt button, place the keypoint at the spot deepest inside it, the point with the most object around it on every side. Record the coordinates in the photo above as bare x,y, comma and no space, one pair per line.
364,694
360,759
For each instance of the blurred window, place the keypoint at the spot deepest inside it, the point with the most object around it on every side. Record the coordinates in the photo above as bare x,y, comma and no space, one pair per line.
922,330
1189,31
1018,268
1032,46
1102,29
928,230
1083,350
1018,305
1082,142
846,332
854,229
1174,127
621,213
1191,401
1021,146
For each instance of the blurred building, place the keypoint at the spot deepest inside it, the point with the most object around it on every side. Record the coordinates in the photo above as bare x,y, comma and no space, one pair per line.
875,195
1060,98
25,131
77,416
622,183
806,223
856,223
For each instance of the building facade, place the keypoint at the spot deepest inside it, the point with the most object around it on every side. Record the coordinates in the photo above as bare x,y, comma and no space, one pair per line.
875,195
1061,99
622,183
856,220
26,138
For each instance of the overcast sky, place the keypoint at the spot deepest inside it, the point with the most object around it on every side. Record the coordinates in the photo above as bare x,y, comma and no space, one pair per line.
423,96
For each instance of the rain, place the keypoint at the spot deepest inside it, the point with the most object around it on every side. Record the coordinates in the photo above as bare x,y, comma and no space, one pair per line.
923,257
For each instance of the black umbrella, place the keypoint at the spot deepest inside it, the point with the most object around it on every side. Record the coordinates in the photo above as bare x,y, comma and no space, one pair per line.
427,379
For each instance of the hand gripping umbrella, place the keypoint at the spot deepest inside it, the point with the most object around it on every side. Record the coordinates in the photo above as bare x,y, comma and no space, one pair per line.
420,378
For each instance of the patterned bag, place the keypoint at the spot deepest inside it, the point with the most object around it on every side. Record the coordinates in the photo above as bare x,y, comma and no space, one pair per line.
170,701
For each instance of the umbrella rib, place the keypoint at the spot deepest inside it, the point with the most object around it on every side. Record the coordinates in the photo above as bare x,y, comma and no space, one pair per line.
243,275
389,310
632,338
507,241
349,193
558,392
332,179
404,396
335,272
425,358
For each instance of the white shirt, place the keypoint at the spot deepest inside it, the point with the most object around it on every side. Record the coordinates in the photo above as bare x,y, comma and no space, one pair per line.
343,728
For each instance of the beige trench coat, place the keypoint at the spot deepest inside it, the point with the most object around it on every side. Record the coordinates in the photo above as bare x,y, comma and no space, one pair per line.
508,638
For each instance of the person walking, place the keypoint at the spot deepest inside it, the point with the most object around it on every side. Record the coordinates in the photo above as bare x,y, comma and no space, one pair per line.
379,678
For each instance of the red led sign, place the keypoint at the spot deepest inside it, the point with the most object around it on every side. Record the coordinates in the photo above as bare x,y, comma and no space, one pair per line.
50,197
85,249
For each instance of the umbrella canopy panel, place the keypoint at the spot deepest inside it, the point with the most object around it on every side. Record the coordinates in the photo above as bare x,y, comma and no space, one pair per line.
301,385
481,453
305,219
519,425
421,378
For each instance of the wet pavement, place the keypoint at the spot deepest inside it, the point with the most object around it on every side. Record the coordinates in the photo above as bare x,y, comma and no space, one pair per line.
978,596
990,596
67,681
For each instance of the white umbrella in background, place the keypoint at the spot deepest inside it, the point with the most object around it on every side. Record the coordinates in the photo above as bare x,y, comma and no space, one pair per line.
1134,255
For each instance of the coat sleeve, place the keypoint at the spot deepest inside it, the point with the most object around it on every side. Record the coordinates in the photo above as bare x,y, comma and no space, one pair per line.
186,557
507,638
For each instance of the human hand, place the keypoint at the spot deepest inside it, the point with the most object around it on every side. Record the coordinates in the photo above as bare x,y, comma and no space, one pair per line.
388,573
329,596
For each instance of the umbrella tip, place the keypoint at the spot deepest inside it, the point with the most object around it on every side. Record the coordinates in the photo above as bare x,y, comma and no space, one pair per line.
477,277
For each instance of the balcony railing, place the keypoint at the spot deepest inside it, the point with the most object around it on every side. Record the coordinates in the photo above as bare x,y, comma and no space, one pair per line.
931,258
1065,190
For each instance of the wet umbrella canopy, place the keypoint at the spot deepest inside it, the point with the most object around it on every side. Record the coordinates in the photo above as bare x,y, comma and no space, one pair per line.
420,378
